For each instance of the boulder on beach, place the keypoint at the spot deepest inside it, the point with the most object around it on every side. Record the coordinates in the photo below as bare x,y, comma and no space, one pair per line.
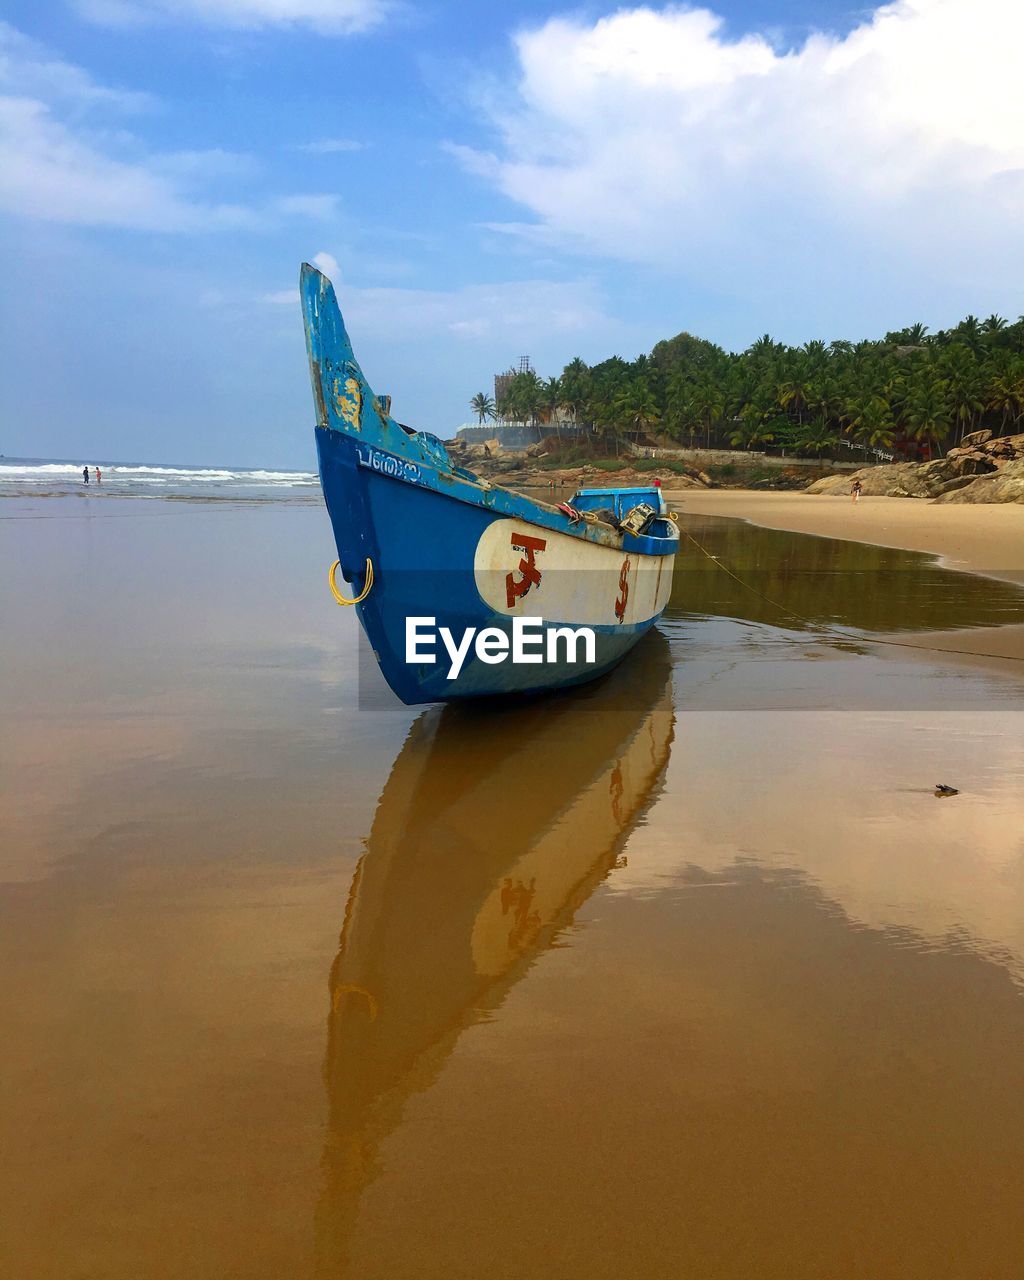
876,482
1004,485
978,457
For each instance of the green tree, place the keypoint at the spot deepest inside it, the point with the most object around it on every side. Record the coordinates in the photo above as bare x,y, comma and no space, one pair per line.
1006,396
551,392
708,400
575,387
751,430
872,426
483,406
966,389
815,438
636,406
927,410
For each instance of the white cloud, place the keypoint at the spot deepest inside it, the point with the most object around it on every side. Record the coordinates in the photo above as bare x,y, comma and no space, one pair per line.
193,166
331,17
62,161
331,146
653,136
309,206
328,264
50,171
517,311
29,69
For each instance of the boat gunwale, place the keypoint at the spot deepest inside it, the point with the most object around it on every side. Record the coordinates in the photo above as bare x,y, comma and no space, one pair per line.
503,501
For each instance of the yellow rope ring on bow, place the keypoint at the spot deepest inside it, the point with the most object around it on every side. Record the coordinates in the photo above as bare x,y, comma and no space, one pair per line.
339,598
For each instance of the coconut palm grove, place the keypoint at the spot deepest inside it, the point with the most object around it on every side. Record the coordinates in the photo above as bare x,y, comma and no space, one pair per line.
911,393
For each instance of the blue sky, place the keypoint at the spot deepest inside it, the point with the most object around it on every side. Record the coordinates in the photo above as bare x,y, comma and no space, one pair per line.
490,181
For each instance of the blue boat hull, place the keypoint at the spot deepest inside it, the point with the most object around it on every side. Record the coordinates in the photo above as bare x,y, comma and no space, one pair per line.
443,545
423,560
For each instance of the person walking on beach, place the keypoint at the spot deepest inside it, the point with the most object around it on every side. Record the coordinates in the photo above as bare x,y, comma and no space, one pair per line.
85,474
855,490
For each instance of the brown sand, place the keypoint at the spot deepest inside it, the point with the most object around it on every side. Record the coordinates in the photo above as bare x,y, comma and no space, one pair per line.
586,988
983,539
980,539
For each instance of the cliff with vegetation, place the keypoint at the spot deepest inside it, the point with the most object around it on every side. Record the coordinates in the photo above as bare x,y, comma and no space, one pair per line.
910,392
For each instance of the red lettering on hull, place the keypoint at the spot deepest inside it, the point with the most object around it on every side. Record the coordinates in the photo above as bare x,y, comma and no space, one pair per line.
620,603
530,575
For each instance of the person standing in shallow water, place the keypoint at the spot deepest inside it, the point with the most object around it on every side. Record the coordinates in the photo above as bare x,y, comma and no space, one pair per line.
99,475
85,474
855,490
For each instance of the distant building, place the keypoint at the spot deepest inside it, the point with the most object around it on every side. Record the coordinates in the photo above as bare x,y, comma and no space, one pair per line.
503,380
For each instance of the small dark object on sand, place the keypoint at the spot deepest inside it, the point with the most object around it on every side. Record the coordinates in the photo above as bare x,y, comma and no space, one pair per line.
942,790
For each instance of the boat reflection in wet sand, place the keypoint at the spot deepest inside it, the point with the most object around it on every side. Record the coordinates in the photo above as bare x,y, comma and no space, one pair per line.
491,832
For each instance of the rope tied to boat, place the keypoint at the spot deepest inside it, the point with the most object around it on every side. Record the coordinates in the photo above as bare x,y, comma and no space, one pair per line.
367,585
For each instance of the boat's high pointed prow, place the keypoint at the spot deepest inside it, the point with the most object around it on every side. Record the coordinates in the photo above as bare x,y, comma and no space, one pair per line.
432,548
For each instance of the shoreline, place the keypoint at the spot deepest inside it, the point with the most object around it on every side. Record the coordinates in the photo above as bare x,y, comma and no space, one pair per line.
987,541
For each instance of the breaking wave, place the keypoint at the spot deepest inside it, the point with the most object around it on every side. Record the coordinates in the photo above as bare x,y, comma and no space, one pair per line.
29,472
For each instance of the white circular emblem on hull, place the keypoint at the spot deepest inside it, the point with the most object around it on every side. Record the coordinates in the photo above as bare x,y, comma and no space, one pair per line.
524,570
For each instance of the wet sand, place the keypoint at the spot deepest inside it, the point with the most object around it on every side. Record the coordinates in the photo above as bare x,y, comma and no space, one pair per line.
980,539
984,539
685,973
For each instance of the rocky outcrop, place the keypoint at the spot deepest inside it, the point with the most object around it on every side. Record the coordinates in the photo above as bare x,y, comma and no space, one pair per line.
897,480
966,474
524,468
1004,485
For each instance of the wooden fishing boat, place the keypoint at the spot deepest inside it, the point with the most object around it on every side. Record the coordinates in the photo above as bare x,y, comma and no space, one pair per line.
419,538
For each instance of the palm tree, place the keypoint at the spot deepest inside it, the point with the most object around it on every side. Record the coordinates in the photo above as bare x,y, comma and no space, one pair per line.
927,385
816,353
752,428
636,406
794,392
968,331
966,388
575,387
529,394
483,406
814,437
873,425
1006,396
709,400
928,411
762,348
750,432
551,393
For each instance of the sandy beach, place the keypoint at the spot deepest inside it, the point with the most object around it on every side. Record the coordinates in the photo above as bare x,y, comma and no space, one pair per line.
983,539
986,540
296,986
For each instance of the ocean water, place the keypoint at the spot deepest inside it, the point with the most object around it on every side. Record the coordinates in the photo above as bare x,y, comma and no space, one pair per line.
38,477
